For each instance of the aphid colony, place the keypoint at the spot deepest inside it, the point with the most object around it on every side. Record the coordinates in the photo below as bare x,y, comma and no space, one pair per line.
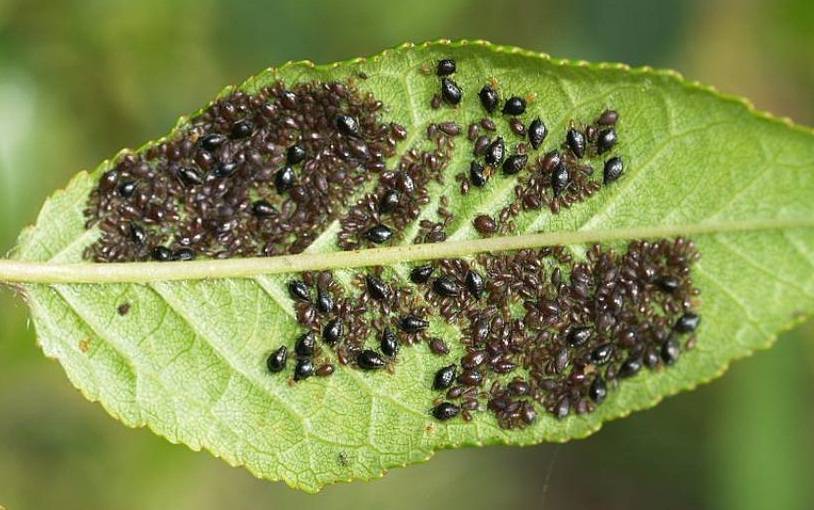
541,330
253,175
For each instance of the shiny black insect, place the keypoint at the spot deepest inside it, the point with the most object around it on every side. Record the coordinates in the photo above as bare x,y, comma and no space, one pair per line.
161,253
515,163
242,129
445,411
304,369
598,390
489,98
263,209
445,67
450,91
575,140
495,152
560,179
668,283
298,291
444,377
687,323
127,189
578,335
137,234
306,344
277,359
325,303
421,274
601,354
212,142
183,254
474,283
379,234
376,288
412,324
515,105
613,169
446,286
333,331
389,343
476,175
226,169
370,360
284,179
606,140
537,133
189,176
670,351
347,125
389,201
630,367
295,154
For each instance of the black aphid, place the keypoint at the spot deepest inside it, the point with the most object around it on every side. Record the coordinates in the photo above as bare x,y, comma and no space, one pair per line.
277,359
421,274
123,309
670,351
183,254
687,323
488,98
284,179
304,369
445,67
446,286
295,154
450,91
377,289
606,140
495,152
576,142
537,133
515,105
226,169
263,209
476,175
189,176
514,163
668,283
298,291
630,367
601,354
578,335
444,377
613,169
127,189
598,390
212,142
412,324
325,303
370,360
560,179
242,129
137,234
332,332
379,234
445,411
389,201
306,344
161,253
347,125
474,283
389,343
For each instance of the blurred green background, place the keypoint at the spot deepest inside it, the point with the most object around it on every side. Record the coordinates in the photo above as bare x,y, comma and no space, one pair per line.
79,80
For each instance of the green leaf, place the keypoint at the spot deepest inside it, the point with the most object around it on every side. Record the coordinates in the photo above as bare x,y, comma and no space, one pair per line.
188,361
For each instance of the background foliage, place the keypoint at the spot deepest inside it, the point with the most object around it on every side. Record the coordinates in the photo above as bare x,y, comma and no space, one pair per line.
80,80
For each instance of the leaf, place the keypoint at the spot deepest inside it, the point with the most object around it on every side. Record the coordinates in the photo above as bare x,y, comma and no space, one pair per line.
188,360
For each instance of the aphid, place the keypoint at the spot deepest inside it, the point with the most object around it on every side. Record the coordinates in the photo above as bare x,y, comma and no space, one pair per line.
476,175
613,169
189,176
670,351
608,118
379,234
495,152
298,291
473,359
212,142
304,369
630,367
137,234
123,309
537,133
550,161
606,140
474,283
332,332
347,125
284,179
438,347
295,154
242,129
306,344
668,283
277,359
161,253
389,201
435,102
449,128
389,343
488,98
484,224
450,91
517,127
515,105
446,286
377,289
263,209
576,142
560,179
183,254
225,169
324,370
325,303
444,378
687,323
514,163
602,354
445,411
598,390
421,274
127,189
370,360
445,67
412,324
578,335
